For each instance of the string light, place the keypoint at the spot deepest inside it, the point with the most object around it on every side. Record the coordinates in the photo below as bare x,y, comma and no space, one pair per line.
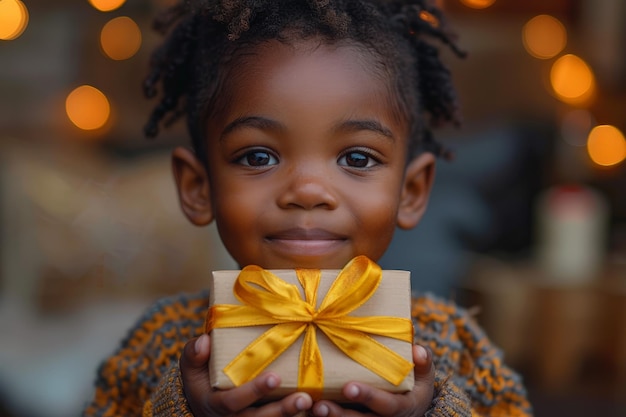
429,18
120,38
606,145
572,80
88,108
478,4
13,19
544,36
107,5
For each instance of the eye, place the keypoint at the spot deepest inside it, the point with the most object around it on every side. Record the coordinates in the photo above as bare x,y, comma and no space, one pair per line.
257,158
357,159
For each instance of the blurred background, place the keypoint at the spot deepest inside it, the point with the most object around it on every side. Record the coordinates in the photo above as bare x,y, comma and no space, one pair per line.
526,227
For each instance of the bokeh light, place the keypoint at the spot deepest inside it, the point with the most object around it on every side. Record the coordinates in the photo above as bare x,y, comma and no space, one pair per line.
429,18
544,36
572,80
120,38
88,108
478,4
107,5
13,19
606,145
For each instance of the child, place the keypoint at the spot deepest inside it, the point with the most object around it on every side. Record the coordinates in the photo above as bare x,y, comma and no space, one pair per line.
311,143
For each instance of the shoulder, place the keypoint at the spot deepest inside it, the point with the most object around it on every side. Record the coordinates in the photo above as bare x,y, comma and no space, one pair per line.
429,309
176,316
176,308
465,356
449,330
150,347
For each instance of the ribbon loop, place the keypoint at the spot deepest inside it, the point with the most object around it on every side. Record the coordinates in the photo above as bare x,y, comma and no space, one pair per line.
268,300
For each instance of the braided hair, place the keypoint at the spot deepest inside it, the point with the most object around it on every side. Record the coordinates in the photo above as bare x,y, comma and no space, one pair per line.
204,35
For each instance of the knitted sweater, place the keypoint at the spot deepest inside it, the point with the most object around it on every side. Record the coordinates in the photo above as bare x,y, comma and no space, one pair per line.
142,378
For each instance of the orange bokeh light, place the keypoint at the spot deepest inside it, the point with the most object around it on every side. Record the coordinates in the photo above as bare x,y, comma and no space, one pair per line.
478,4
120,38
544,36
429,18
13,19
107,5
88,108
572,80
606,145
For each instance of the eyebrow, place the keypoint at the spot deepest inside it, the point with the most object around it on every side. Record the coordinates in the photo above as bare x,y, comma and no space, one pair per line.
263,123
366,124
257,122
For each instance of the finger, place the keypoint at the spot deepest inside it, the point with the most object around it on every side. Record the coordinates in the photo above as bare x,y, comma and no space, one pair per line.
424,387
424,367
380,402
290,406
194,371
388,404
236,399
332,409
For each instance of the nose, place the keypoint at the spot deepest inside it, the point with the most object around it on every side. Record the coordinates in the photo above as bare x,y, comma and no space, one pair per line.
307,190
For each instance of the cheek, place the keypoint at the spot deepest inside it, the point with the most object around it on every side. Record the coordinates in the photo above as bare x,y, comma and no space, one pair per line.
235,224
381,220
235,211
239,208
377,217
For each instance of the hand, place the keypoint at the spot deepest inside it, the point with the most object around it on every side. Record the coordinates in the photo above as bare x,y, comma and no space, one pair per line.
383,403
204,401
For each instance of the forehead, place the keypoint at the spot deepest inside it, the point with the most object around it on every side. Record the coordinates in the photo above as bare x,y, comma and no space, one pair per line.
308,68
342,56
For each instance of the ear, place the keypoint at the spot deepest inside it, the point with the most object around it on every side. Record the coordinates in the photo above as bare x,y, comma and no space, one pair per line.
418,181
192,183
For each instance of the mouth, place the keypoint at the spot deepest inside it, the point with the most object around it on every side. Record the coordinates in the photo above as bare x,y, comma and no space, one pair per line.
303,242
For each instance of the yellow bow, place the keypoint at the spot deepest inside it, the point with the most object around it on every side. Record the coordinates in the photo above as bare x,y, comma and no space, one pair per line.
273,301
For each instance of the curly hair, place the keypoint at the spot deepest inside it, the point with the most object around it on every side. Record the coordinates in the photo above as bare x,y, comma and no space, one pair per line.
204,35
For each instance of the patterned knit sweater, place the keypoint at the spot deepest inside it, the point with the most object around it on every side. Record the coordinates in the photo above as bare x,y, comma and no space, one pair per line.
142,378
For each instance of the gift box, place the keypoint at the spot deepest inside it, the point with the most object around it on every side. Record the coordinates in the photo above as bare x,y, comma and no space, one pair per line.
317,329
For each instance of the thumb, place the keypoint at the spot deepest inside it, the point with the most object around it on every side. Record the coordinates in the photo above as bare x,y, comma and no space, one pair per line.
424,378
424,368
194,371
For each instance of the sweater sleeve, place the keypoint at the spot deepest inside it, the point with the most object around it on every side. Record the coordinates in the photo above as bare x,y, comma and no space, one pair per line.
142,378
449,399
471,377
168,399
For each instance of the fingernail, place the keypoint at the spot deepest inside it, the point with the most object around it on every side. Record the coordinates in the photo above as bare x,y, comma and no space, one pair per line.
272,382
302,403
352,391
322,410
199,346
422,354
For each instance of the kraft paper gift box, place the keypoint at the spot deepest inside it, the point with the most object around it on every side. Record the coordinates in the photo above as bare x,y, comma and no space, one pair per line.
390,298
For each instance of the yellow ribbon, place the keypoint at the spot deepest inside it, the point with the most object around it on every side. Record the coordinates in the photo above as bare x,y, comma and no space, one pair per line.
269,300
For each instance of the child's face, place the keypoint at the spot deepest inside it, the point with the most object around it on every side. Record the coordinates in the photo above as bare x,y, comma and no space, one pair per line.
306,162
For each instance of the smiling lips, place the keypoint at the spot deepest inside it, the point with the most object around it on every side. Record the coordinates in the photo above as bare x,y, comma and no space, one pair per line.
306,241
